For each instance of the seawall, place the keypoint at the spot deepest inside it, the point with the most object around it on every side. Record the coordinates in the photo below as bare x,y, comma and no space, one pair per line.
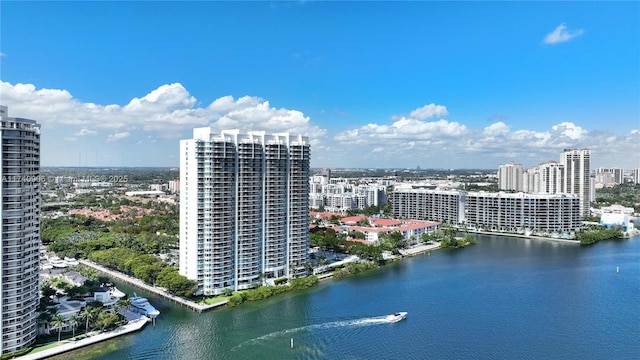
152,289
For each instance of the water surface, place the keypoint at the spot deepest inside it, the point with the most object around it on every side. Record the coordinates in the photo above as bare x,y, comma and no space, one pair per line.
503,298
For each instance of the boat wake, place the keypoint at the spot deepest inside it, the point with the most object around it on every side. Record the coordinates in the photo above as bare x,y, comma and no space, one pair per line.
368,321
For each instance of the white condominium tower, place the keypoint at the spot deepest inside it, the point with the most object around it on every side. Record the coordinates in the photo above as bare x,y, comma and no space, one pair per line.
244,215
551,178
510,177
20,202
577,179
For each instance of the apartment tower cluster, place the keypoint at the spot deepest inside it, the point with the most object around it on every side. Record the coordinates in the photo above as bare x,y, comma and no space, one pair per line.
340,195
20,235
571,175
243,208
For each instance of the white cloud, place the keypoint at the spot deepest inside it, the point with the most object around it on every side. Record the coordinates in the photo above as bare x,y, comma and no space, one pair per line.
118,136
168,111
429,111
561,34
444,143
85,131
402,130
569,130
2,54
496,129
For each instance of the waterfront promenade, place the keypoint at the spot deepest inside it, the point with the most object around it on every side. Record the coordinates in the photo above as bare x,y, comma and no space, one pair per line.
68,345
418,249
152,289
523,236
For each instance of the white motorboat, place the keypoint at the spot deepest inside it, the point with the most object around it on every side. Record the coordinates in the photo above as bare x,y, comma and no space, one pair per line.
395,317
142,306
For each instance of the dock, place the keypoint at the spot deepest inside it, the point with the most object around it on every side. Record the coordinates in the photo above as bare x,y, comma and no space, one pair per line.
69,345
152,289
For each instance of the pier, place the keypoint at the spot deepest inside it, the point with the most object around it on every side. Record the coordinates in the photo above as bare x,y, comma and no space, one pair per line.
69,345
152,289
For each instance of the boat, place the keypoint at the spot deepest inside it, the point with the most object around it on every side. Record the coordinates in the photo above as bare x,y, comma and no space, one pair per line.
142,306
395,317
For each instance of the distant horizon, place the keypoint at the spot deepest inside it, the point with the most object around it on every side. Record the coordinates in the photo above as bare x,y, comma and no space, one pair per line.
372,84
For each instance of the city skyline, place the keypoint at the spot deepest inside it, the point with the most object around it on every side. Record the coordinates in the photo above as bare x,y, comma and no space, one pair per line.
373,84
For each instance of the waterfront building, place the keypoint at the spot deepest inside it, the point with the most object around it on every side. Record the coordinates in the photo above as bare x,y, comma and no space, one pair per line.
491,211
577,178
244,201
425,204
510,177
20,235
522,213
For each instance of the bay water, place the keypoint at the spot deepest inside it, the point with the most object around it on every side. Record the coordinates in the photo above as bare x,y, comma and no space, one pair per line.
502,298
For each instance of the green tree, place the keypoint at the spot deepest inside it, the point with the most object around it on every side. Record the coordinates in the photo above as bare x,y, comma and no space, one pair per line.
107,320
88,313
170,279
73,321
58,323
47,290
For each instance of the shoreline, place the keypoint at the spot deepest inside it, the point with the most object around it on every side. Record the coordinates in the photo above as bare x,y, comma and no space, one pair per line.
522,236
152,289
415,250
70,345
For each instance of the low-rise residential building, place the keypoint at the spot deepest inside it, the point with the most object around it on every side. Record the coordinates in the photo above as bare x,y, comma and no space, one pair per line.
411,230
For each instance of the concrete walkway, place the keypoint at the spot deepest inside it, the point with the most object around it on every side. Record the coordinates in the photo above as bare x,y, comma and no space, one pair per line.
419,249
152,289
68,345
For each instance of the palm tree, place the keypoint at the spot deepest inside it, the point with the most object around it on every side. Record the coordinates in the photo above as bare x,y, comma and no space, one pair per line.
58,323
89,313
73,321
122,304
44,318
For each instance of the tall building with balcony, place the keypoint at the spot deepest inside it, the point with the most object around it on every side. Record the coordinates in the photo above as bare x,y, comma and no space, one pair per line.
551,178
635,175
243,208
20,202
577,176
510,177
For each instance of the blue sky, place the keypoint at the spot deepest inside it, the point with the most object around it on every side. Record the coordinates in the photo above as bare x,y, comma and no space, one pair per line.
373,84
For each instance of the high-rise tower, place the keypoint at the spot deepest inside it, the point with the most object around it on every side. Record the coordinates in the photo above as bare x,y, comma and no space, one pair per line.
20,202
551,178
577,176
510,177
244,215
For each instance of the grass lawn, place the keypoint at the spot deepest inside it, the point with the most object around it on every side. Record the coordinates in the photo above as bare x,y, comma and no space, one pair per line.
210,300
